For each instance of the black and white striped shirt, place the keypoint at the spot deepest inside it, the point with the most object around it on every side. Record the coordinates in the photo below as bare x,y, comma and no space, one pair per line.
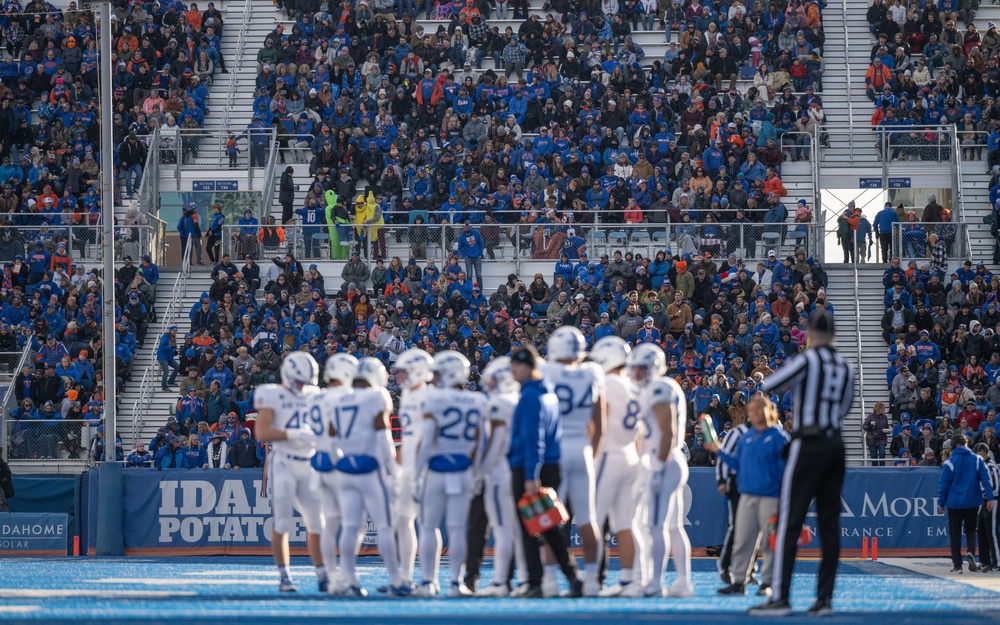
822,390
994,471
723,472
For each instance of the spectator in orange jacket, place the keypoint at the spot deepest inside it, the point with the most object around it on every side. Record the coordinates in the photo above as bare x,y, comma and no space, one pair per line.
877,77
773,184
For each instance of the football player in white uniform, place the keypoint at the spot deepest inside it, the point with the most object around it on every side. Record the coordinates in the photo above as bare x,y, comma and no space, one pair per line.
665,413
582,413
413,374
444,465
284,419
359,419
503,392
339,376
618,463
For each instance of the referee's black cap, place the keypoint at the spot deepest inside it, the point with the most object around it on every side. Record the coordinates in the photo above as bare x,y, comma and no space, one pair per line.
821,321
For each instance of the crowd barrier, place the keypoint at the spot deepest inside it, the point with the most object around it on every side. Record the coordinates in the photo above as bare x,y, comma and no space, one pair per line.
180,512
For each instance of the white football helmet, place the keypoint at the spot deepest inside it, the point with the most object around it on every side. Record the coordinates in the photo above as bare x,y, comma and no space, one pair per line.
452,369
299,368
566,343
610,352
340,368
417,365
497,377
372,371
651,359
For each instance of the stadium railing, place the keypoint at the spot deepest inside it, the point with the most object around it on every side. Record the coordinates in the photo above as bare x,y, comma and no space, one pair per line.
9,401
51,439
909,240
519,242
166,317
207,149
241,45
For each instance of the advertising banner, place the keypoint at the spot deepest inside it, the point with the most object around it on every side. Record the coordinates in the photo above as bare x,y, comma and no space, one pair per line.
33,534
185,512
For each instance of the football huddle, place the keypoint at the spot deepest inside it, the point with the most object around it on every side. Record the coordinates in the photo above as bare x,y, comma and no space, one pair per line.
602,433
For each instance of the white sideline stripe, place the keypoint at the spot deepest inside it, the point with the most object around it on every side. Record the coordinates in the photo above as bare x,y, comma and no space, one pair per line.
941,568
49,593
20,609
269,572
166,581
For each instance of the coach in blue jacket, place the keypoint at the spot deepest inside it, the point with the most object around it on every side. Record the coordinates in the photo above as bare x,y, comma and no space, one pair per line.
534,462
964,484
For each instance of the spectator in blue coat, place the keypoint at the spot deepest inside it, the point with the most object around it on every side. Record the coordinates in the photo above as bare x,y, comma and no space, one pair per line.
963,485
166,357
470,247
194,456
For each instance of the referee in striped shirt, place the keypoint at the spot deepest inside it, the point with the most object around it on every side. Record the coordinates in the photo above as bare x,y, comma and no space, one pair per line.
822,392
725,477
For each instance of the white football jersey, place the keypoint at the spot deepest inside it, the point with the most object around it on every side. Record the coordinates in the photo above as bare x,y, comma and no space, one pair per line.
656,392
458,414
624,417
352,414
501,408
291,412
412,409
576,386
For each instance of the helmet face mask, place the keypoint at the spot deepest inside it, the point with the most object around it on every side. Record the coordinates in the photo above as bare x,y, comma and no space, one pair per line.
413,367
497,378
647,362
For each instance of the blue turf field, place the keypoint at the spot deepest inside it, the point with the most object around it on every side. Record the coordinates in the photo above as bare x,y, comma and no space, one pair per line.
243,590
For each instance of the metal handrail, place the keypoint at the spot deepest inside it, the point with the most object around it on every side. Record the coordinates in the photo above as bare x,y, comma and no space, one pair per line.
847,63
859,378
8,396
166,319
237,60
959,199
267,183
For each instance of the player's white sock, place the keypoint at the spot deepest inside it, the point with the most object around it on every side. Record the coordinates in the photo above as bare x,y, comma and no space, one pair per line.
348,550
590,571
658,553
626,576
283,571
457,550
328,542
640,540
681,555
430,553
387,549
406,535
551,570
321,571
503,547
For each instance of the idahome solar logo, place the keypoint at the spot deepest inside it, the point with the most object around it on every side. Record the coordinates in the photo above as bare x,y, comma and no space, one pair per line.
30,531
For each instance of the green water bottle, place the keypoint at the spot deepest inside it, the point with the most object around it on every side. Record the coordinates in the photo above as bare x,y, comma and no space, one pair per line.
708,429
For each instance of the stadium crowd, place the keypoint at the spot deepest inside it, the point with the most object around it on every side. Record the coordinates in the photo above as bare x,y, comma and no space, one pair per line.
724,327
943,357
571,119
925,71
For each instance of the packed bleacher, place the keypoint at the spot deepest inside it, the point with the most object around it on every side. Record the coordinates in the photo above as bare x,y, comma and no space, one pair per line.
943,361
50,203
572,118
926,71
723,325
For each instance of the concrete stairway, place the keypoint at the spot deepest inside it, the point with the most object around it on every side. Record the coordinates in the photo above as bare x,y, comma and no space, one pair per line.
154,415
871,383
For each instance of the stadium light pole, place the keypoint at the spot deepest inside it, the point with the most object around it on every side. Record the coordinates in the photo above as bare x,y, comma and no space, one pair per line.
108,221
